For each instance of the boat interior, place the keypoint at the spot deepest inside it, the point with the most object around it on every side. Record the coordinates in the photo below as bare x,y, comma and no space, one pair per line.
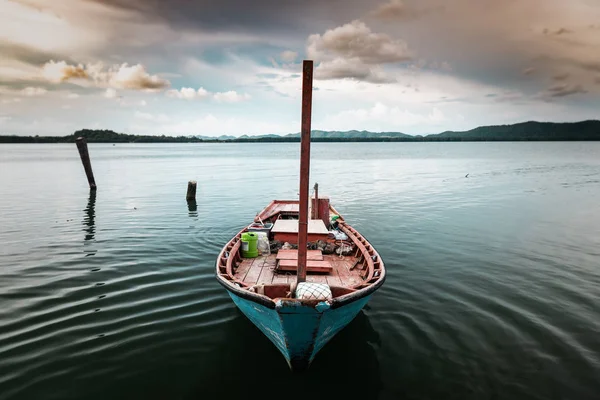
337,254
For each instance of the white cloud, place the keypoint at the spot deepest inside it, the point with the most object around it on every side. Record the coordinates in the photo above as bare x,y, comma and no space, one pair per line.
354,51
188,93
33,91
355,40
212,125
72,96
110,93
230,97
381,117
57,72
159,118
288,56
135,77
118,76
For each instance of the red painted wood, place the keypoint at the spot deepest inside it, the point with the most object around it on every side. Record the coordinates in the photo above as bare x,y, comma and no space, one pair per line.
292,238
307,78
314,255
323,206
311,266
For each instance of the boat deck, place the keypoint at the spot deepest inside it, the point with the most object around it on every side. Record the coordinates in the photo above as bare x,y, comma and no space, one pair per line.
261,271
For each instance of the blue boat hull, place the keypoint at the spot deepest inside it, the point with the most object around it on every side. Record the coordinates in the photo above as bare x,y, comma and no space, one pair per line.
299,331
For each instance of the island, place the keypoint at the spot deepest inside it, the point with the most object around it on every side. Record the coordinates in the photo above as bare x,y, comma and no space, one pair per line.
526,131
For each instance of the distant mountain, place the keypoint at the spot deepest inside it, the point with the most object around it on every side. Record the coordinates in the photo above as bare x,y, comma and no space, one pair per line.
526,131
532,130
353,135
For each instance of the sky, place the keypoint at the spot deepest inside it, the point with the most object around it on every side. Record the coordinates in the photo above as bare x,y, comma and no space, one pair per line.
233,67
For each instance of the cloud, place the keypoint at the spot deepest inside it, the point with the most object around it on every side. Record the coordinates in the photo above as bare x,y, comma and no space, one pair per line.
288,56
118,76
356,40
557,32
230,97
215,125
561,77
160,118
33,91
188,93
57,72
135,77
396,10
528,71
341,68
563,90
72,96
13,100
354,51
381,116
110,93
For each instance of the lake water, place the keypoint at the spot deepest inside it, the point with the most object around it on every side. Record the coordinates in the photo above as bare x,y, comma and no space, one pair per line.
493,286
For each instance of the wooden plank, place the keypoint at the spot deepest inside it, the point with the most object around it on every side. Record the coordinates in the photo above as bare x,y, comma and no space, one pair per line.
266,276
314,255
253,273
280,278
344,274
311,266
316,278
333,278
315,226
242,270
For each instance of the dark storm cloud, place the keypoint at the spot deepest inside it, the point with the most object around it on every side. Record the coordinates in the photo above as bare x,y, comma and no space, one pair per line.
239,15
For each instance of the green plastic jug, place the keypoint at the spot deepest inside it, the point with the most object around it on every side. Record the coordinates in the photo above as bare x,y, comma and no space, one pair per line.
249,245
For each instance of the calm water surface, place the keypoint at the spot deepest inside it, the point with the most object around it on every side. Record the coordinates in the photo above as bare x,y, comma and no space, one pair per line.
493,286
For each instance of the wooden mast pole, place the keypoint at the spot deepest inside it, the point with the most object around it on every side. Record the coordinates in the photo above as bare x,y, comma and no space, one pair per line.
307,78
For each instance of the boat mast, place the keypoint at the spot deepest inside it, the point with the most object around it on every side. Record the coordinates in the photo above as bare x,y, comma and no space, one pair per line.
307,78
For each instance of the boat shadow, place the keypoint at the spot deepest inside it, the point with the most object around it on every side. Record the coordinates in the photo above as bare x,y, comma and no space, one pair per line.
250,365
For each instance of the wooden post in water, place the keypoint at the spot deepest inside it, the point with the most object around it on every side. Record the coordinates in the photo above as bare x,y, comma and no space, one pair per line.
191,191
85,159
307,78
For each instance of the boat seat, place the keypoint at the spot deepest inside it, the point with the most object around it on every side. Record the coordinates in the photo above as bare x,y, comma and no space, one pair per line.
292,254
311,266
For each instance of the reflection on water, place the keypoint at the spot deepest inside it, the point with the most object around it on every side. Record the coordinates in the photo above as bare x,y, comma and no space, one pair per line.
192,208
346,368
89,222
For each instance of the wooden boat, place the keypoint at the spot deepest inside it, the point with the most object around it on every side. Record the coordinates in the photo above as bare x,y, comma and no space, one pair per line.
300,297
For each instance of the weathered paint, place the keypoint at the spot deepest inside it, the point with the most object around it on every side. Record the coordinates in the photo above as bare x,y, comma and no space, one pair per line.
299,331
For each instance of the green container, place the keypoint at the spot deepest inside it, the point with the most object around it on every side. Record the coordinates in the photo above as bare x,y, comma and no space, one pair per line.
249,245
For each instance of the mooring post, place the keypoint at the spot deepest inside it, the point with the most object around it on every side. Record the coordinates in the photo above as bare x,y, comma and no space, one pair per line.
85,159
191,192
